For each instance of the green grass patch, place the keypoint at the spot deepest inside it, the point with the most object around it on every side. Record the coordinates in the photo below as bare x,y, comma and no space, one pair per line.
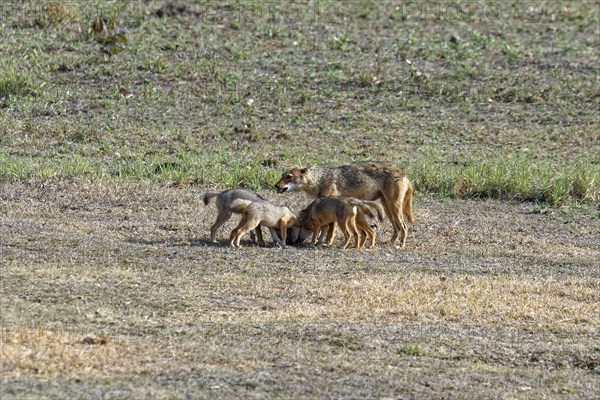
211,93
16,81
217,169
518,179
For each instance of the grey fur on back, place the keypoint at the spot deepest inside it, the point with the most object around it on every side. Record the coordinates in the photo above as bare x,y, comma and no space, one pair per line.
226,198
362,180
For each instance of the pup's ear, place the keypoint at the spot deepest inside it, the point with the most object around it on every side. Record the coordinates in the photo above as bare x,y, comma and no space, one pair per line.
303,171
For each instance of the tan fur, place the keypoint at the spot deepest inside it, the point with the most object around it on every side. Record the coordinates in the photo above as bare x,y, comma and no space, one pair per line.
369,212
265,214
366,181
227,204
329,211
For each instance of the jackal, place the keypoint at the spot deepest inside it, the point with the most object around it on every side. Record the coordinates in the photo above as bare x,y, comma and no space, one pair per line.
266,214
225,203
326,212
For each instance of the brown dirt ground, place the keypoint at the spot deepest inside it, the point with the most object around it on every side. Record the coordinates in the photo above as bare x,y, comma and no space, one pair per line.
113,291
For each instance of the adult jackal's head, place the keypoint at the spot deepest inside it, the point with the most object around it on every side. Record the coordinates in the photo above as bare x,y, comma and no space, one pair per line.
293,179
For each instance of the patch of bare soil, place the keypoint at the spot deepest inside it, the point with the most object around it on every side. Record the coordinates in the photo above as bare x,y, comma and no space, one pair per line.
113,290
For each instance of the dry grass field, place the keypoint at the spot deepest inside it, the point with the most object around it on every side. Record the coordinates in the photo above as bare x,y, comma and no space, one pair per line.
115,292
116,117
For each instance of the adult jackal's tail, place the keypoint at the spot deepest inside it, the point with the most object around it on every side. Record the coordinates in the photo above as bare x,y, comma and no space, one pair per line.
407,207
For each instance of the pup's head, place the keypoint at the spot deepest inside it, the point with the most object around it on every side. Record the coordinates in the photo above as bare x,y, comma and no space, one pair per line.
292,179
297,235
373,218
297,232
375,210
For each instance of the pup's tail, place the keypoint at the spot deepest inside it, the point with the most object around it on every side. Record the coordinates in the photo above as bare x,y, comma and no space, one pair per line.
239,205
408,206
208,196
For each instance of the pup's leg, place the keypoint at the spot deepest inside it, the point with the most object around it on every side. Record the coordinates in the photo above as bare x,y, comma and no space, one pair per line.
247,223
259,235
234,238
294,234
222,217
363,235
316,230
362,238
351,227
241,231
331,233
368,235
364,229
373,236
304,234
283,226
324,230
275,236
347,225
346,233
367,231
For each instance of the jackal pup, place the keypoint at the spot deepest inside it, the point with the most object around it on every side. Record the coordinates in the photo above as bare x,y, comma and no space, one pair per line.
226,206
367,181
326,212
265,214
